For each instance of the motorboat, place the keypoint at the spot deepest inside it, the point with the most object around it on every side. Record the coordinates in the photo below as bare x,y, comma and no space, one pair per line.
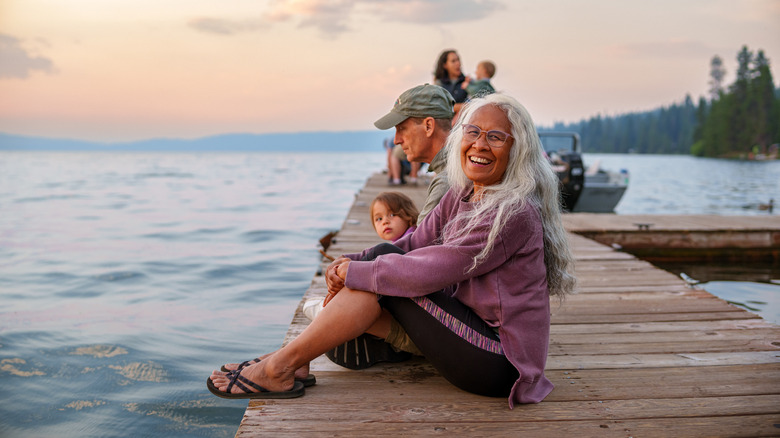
591,190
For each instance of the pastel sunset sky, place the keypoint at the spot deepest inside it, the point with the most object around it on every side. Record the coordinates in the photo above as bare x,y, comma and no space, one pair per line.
122,70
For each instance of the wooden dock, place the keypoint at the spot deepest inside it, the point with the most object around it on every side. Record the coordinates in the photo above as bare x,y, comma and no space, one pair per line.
634,353
681,238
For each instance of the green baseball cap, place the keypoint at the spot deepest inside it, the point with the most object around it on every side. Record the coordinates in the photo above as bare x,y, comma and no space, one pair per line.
421,101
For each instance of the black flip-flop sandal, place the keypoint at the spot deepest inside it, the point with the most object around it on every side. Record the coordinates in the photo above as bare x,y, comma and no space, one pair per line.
236,379
365,351
307,381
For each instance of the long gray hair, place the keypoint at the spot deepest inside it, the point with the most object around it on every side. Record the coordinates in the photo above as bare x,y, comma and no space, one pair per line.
528,178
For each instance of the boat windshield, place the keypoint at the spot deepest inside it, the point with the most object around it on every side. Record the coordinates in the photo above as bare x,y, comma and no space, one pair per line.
559,141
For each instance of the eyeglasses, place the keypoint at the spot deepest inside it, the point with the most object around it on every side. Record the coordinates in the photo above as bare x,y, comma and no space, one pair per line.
494,138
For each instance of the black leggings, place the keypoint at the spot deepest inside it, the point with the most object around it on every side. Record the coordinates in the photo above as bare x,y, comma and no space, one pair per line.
459,344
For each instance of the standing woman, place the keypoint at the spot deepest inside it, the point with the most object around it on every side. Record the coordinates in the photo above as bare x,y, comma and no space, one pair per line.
449,76
471,287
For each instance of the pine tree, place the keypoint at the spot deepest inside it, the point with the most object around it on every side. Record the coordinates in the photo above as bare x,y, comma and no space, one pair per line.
688,125
764,103
717,73
701,116
740,106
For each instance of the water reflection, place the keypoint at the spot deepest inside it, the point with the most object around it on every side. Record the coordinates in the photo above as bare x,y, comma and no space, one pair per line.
754,287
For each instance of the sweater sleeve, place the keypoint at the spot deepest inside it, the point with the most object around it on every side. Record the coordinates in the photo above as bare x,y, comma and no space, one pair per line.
525,315
427,267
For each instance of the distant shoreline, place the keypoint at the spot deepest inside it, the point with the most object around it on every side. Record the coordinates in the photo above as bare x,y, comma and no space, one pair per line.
346,141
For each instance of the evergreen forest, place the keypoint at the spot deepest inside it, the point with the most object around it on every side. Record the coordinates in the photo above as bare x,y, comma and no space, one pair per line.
741,120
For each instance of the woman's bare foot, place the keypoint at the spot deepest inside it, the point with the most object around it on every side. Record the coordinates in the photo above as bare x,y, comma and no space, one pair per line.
263,373
235,366
300,374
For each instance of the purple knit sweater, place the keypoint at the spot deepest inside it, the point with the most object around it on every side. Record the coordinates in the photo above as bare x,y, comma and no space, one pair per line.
508,289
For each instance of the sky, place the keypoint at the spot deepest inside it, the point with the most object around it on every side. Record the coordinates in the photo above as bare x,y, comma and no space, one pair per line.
126,70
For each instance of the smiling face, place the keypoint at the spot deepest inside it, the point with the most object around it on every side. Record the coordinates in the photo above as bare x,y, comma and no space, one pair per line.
482,164
388,225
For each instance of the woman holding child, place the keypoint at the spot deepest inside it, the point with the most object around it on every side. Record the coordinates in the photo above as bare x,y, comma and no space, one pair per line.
470,287
448,75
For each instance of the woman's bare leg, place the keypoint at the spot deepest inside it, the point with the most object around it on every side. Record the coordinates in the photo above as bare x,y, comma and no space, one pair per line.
381,327
345,317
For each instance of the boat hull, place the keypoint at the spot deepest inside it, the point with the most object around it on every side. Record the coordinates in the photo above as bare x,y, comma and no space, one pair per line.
599,197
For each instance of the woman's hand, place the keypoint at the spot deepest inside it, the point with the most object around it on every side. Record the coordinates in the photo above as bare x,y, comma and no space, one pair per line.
335,276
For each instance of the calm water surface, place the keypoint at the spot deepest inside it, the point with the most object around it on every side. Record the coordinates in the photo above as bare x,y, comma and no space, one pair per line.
126,278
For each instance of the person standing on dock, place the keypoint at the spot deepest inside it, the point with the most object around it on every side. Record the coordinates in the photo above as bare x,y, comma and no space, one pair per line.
422,118
447,73
471,286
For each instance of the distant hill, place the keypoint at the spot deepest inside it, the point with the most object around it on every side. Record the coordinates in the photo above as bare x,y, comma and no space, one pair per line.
348,141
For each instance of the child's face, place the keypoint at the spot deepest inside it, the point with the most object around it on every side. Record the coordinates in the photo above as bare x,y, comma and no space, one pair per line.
481,73
386,224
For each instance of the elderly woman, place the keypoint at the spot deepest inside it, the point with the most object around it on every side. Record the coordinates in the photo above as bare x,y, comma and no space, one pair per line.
471,286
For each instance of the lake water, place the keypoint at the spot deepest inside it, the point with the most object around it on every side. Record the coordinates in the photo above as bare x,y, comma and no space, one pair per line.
126,278
672,184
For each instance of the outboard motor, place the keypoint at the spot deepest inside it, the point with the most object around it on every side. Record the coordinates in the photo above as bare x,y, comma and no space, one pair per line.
564,155
572,176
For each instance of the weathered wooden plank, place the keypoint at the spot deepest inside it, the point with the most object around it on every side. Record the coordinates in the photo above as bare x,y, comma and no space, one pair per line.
656,327
612,307
659,293
572,318
587,222
730,426
678,336
585,288
411,409
679,382
691,346
596,361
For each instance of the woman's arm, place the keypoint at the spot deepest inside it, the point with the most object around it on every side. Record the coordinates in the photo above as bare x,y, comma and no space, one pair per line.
431,268
334,277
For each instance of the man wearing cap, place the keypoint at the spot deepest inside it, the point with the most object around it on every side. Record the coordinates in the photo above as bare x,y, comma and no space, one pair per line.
422,117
